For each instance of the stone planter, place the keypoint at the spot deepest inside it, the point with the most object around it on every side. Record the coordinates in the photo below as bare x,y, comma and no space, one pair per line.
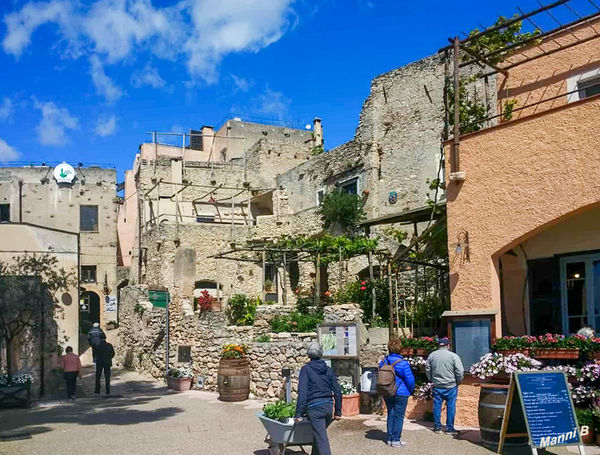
350,405
556,353
15,395
179,384
524,351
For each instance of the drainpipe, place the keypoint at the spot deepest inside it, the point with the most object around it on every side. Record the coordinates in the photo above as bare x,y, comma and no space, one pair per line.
20,201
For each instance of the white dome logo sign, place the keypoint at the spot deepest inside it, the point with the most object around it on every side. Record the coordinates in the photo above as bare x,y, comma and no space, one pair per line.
64,173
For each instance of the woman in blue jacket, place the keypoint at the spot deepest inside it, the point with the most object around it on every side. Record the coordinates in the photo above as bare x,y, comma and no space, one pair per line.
405,384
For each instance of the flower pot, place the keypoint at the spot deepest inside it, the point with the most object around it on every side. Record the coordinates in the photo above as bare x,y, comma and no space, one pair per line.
179,384
590,437
561,353
505,352
422,352
350,405
406,352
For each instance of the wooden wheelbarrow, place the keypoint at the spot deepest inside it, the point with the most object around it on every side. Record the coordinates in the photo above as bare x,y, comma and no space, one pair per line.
281,435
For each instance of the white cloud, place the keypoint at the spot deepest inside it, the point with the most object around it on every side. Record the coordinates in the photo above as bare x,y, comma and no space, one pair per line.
148,76
272,103
106,125
7,153
242,84
6,109
104,84
199,32
52,129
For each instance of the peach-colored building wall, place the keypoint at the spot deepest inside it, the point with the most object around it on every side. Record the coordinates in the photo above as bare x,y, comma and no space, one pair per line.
547,76
521,178
127,220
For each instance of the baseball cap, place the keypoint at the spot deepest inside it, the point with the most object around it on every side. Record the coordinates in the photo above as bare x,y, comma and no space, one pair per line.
444,341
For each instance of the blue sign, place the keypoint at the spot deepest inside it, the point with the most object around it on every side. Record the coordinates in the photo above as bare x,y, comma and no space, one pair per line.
548,408
393,197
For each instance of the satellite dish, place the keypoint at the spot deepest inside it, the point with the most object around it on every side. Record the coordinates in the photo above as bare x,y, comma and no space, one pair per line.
308,126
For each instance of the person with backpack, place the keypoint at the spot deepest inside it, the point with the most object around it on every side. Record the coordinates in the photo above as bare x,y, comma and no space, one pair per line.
95,337
318,394
445,370
105,353
395,383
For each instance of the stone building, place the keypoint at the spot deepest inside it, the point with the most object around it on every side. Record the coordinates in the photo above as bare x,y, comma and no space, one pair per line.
79,200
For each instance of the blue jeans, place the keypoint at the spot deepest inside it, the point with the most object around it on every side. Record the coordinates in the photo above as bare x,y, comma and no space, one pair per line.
320,418
449,396
396,407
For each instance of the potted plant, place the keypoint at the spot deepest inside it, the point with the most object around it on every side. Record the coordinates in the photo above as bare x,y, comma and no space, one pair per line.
180,379
423,391
417,363
497,368
585,418
16,389
350,400
281,411
425,345
551,346
205,302
514,345
408,346
233,378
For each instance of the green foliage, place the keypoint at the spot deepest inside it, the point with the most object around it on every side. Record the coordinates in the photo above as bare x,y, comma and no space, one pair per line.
585,417
434,185
279,410
396,234
241,310
499,39
296,322
317,150
509,106
268,285
342,209
262,338
139,309
472,112
360,292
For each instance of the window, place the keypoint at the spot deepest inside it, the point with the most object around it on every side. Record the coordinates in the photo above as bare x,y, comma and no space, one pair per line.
320,196
270,278
88,218
588,88
349,186
205,219
4,213
88,273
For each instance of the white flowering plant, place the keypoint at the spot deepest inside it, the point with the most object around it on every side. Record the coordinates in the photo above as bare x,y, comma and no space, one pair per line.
423,391
19,378
181,372
571,372
583,394
347,389
416,362
492,364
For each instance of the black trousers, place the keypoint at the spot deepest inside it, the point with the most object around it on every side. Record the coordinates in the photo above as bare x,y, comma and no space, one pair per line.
320,417
99,370
71,380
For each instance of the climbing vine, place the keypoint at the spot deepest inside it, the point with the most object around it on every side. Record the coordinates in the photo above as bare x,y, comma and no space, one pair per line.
342,210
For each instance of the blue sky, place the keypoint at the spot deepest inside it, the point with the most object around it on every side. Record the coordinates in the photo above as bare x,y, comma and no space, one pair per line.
84,80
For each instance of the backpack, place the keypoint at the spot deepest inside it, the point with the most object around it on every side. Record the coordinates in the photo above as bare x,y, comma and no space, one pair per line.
386,379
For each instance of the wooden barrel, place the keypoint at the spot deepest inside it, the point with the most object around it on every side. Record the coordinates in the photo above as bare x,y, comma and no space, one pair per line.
233,379
492,401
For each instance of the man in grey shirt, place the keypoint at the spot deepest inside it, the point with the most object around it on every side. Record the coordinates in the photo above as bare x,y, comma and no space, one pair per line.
445,370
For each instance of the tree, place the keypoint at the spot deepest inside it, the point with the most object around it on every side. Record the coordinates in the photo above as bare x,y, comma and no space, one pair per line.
342,210
27,300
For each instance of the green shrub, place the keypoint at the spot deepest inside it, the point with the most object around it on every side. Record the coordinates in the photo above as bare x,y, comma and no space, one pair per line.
240,310
585,417
279,410
296,322
339,208
262,338
360,292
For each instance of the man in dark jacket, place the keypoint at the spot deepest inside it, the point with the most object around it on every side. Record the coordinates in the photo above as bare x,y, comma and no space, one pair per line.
105,353
317,389
95,337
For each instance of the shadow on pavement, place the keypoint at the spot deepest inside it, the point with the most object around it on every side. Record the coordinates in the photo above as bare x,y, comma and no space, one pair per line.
376,435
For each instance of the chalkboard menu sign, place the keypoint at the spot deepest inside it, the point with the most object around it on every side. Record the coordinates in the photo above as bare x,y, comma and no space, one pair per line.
542,401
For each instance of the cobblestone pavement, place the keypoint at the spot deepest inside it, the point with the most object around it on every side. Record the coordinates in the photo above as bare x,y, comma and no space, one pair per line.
142,417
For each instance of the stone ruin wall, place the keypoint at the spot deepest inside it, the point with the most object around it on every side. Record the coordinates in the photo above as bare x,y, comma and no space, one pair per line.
142,343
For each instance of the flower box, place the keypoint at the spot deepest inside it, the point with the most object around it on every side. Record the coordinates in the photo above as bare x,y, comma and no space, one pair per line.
423,352
561,353
350,405
406,352
179,384
500,378
524,351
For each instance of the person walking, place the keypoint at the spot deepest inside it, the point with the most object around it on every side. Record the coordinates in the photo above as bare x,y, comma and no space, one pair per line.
396,399
445,370
95,337
71,366
318,392
105,353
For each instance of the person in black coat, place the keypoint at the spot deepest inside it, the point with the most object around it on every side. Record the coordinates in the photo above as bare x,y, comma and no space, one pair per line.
105,353
318,390
95,337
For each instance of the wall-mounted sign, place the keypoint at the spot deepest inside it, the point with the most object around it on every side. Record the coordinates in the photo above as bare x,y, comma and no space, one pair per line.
393,197
64,173
110,303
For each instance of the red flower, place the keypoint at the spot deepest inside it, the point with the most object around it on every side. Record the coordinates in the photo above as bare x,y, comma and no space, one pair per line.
363,288
327,293
363,282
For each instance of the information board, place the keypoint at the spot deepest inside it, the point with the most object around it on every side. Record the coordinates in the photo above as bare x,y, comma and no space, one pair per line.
158,298
540,399
338,340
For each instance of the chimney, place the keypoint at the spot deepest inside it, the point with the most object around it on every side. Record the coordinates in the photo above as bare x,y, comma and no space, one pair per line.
318,132
208,137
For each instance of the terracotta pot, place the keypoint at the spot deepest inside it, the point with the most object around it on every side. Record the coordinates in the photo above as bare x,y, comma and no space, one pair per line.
589,438
406,352
524,351
556,353
179,384
423,352
350,405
